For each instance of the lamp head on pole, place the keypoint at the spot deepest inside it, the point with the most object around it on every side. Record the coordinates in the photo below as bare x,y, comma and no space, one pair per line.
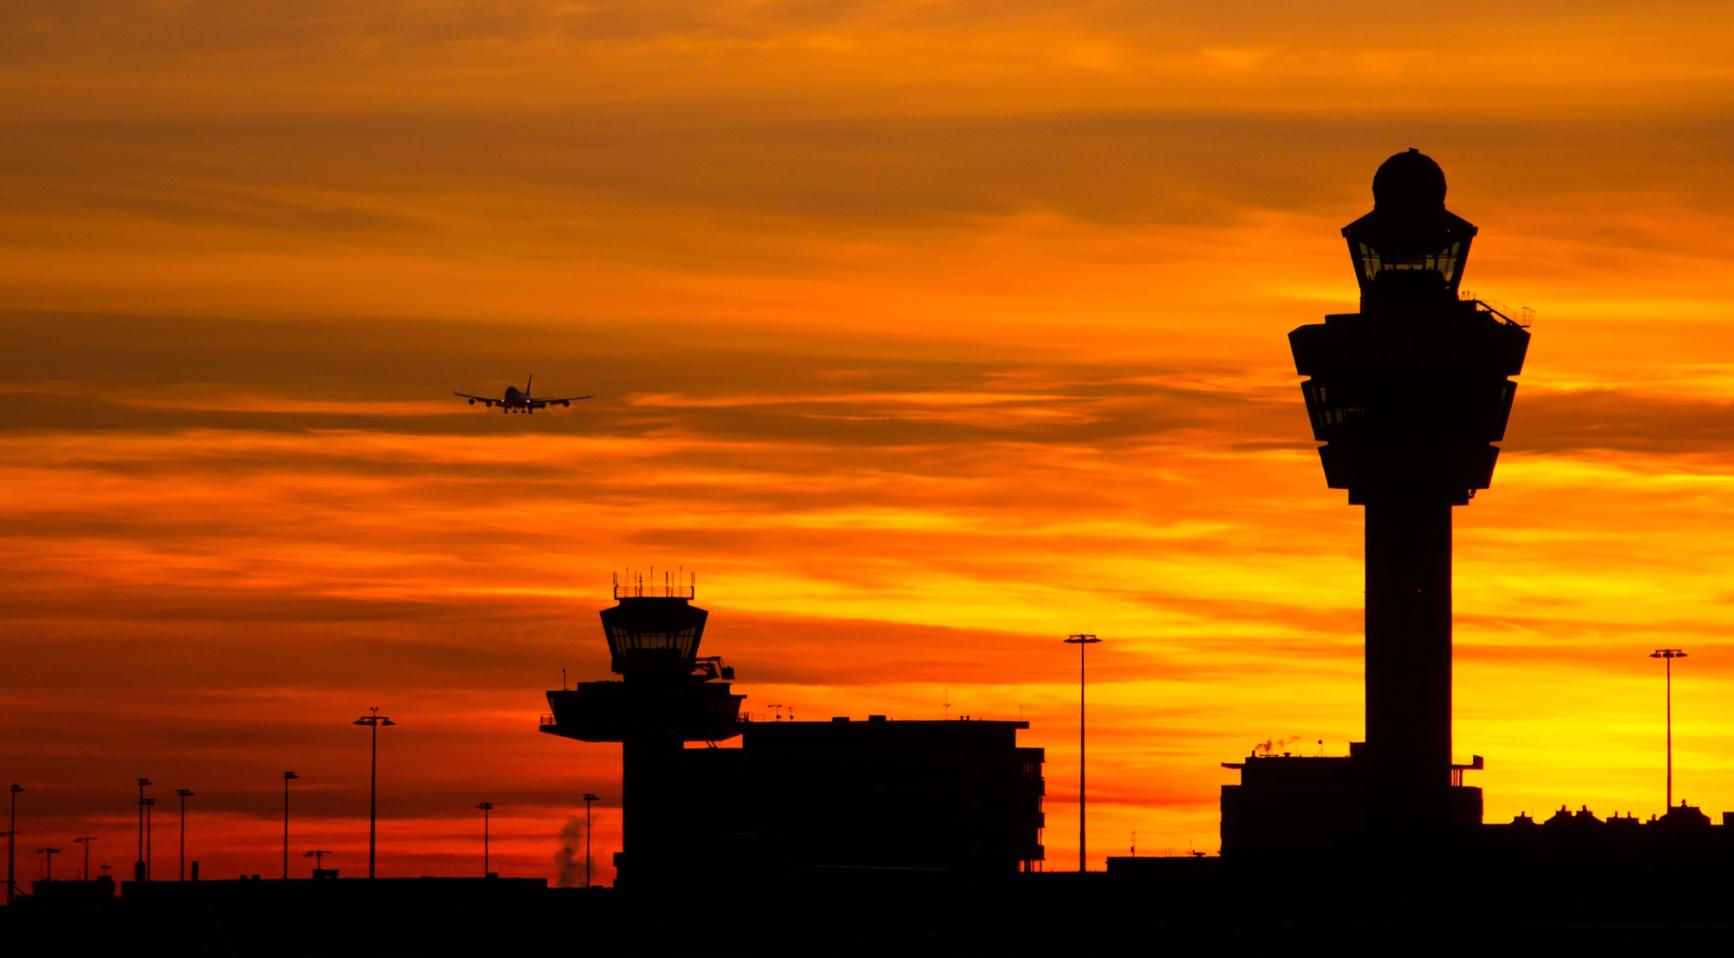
1082,640
184,792
290,776
375,719
142,783
485,806
591,797
1668,654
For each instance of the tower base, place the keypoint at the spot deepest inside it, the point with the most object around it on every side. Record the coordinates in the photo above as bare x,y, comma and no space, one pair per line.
1302,805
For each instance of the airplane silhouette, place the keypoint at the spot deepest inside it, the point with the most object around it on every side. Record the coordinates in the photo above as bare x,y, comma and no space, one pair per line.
515,401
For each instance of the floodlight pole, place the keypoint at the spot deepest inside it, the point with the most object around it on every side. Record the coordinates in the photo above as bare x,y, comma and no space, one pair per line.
1668,656
140,872
487,810
373,720
588,798
150,855
183,794
287,778
11,843
1082,642
85,840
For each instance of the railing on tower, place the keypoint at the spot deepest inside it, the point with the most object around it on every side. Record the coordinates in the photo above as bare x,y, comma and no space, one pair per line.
636,585
1525,316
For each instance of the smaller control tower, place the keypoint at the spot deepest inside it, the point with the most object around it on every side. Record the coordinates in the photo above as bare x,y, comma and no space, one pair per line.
667,695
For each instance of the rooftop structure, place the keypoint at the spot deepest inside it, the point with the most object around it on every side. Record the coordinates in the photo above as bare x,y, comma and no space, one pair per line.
957,795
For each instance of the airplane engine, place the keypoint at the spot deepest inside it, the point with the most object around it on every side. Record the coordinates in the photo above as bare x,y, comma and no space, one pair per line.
472,402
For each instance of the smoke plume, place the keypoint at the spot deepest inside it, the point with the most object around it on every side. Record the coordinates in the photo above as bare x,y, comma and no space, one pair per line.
1270,745
569,860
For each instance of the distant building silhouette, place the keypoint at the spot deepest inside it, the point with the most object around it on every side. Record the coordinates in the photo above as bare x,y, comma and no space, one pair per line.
957,795
953,795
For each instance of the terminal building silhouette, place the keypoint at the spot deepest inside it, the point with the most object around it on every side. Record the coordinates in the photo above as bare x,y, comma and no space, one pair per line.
955,796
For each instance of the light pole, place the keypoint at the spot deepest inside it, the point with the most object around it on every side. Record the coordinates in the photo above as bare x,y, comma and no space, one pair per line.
48,857
589,797
138,864
287,778
11,842
373,721
318,856
183,794
487,809
85,840
1668,656
149,804
1082,642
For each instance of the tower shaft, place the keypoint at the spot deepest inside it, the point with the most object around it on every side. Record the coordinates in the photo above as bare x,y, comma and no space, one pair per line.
1408,625
652,812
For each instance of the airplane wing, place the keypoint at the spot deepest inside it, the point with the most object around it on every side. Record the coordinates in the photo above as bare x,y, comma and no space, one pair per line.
484,400
562,401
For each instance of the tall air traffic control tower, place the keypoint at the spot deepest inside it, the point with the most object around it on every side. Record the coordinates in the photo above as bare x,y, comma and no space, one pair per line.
1408,397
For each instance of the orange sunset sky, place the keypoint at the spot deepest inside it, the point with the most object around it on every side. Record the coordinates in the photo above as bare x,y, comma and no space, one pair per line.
926,332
